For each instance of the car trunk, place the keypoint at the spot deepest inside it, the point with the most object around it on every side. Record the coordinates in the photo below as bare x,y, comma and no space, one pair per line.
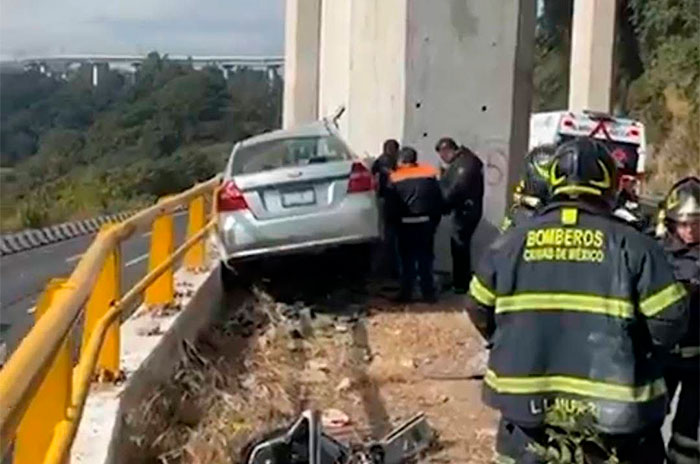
295,190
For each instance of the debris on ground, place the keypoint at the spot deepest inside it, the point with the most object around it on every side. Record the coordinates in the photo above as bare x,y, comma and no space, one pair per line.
305,441
272,358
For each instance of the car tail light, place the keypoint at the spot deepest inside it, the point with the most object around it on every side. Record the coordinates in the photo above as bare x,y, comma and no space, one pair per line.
231,198
568,123
633,133
360,179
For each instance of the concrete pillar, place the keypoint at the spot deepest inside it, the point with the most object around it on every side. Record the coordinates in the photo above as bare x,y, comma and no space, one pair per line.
301,55
227,71
418,70
95,74
592,49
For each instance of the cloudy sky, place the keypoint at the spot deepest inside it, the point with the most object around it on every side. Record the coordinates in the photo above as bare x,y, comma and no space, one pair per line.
188,27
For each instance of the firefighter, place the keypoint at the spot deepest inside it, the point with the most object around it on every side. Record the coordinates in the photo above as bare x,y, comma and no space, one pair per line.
462,183
414,205
576,305
681,242
532,191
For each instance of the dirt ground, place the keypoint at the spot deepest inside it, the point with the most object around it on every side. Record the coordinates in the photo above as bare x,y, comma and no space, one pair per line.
374,362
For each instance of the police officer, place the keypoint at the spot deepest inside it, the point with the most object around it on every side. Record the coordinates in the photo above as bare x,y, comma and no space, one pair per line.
462,183
575,305
682,245
532,191
414,204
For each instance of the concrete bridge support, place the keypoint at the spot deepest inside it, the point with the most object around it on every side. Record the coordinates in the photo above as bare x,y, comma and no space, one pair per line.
417,70
592,50
301,61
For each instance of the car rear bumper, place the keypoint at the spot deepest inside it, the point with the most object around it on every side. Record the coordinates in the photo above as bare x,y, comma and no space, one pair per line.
241,235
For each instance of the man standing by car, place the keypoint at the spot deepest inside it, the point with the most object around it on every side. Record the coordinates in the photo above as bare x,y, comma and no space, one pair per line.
462,184
387,264
414,206
385,164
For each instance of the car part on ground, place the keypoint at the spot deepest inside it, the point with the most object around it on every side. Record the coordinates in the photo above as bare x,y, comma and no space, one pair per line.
305,442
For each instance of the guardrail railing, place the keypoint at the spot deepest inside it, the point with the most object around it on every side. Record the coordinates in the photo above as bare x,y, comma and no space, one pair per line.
42,395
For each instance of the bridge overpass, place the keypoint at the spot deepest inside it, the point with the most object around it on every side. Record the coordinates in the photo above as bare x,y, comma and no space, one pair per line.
62,64
405,69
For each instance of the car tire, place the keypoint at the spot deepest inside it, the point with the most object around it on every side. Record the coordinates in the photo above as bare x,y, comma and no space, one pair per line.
228,276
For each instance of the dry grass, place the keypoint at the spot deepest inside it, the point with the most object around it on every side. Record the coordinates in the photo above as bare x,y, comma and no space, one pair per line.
233,389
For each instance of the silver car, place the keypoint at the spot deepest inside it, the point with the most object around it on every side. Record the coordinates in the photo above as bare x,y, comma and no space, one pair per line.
294,190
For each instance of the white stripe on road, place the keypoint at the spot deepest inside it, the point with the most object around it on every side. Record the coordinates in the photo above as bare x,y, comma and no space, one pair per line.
74,258
136,260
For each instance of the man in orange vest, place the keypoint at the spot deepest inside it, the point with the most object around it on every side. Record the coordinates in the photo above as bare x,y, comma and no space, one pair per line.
414,205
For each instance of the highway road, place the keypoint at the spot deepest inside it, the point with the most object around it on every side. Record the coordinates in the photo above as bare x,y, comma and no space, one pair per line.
24,275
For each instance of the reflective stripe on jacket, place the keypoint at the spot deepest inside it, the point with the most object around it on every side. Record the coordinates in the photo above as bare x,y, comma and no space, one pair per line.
576,305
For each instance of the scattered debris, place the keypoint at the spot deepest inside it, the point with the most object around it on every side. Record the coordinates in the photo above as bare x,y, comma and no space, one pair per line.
306,438
318,365
344,385
149,330
331,418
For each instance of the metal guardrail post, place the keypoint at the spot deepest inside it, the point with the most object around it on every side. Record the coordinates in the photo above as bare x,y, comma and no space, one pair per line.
194,259
48,406
162,290
106,291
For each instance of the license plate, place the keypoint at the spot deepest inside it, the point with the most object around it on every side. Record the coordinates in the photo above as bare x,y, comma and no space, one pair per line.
298,198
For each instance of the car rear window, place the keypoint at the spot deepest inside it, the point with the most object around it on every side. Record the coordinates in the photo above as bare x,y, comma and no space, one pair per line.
295,151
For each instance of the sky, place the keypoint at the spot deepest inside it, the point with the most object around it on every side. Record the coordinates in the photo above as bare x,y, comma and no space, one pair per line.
178,27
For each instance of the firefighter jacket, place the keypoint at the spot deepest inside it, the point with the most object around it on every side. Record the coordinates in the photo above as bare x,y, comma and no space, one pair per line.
462,184
576,305
685,261
413,195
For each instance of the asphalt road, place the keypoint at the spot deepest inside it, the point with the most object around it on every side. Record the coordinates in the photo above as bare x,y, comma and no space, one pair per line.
24,275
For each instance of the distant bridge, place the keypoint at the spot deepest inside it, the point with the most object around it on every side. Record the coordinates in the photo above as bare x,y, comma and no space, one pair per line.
62,64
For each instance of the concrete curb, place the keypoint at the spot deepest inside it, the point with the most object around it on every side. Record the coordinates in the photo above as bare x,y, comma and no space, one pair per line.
147,360
34,238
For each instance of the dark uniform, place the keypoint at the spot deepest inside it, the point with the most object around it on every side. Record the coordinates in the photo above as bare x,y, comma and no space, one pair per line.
575,304
462,185
683,364
387,261
533,190
414,204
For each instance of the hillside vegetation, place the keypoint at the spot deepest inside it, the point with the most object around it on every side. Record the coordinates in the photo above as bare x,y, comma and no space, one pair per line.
657,76
78,150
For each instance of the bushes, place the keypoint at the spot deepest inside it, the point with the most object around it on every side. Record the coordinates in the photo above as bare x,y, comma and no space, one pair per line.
118,146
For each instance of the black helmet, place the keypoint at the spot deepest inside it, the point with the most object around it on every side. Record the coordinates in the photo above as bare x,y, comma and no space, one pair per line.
583,166
536,177
683,200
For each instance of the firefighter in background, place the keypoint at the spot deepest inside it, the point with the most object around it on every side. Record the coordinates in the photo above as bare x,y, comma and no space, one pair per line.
681,241
414,205
532,191
575,305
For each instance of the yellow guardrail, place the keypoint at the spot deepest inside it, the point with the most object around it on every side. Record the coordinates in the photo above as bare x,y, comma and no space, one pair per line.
41,394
